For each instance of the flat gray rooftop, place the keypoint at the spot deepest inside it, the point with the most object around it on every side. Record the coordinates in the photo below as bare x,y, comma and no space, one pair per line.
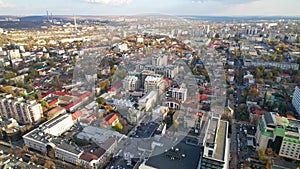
163,160
221,141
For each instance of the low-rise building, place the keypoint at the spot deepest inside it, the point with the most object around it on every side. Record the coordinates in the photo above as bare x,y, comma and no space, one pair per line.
111,119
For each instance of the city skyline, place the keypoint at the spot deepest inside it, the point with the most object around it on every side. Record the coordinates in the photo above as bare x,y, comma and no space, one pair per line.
137,7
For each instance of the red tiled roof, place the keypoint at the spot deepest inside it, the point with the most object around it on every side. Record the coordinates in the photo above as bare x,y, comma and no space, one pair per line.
255,110
73,104
116,87
86,156
284,75
53,102
46,94
201,97
290,117
38,85
92,117
110,118
199,113
85,95
76,115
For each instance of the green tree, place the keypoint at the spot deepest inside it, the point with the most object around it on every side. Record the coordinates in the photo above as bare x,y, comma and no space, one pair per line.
118,127
9,76
274,56
101,101
43,58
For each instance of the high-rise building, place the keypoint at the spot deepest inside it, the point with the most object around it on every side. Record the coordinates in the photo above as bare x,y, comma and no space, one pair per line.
215,145
207,28
23,111
296,98
280,134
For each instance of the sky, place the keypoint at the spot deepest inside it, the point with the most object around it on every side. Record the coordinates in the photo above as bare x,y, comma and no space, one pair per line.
167,7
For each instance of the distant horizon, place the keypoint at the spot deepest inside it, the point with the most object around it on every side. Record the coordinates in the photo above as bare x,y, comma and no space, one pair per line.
157,14
230,8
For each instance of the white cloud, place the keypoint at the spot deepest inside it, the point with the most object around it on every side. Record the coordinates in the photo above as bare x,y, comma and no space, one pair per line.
4,4
111,2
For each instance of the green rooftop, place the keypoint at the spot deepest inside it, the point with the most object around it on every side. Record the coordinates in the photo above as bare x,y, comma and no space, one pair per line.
285,122
261,125
267,134
291,140
279,131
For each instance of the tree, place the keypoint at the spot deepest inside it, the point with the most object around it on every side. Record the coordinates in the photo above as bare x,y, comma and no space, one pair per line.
9,76
43,58
274,56
49,164
38,96
51,153
242,108
34,158
118,127
101,101
254,92
261,155
25,148
226,117
45,104
236,50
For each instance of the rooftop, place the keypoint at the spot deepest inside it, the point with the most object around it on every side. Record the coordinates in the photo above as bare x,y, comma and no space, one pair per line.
99,135
269,119
165,160
63,144
221,141
211,131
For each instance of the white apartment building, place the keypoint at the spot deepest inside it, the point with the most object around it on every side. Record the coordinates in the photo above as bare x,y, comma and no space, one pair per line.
24,111
169,71
296,98
160,60
281,65
154,83
149,100
131,83
14,54
179,94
